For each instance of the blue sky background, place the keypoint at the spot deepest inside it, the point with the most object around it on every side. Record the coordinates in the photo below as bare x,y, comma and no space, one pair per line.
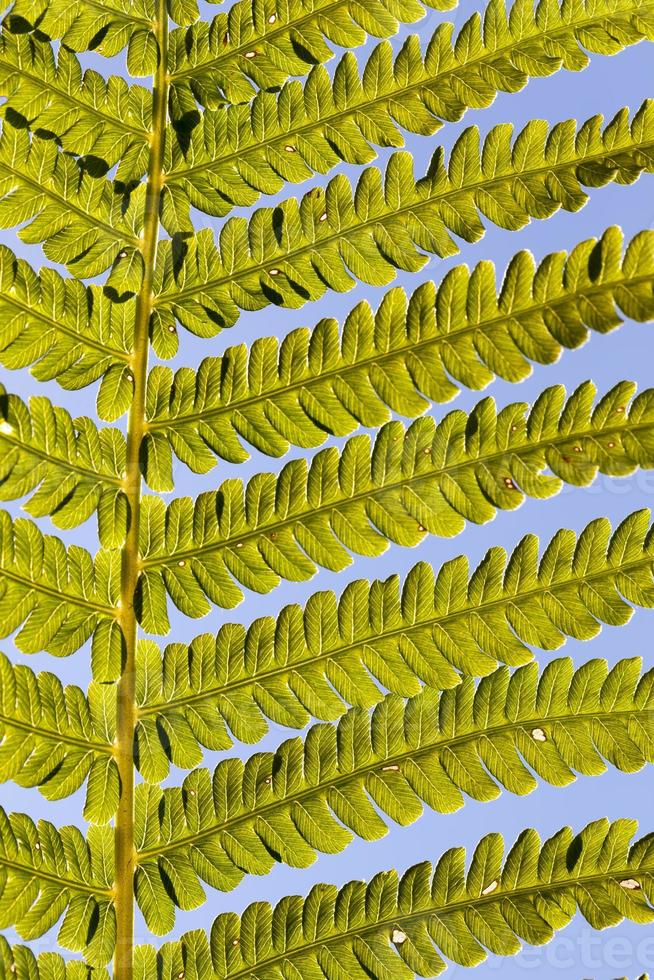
627,950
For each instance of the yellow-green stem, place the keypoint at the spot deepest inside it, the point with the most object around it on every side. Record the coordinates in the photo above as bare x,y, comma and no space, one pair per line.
126,716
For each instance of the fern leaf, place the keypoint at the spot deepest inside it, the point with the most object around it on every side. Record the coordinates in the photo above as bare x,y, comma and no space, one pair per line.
60,597
394,928
424,694
20,963
78,218
315,796
91,116
428,479
254,45
57,738
236,153
61,328
106,26
312,662
464,331
47,874
69,468
294,252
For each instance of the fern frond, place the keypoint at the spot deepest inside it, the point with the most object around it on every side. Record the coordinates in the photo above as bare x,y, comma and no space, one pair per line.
316,382
105,26
393,928
56,737
69,468
294,252
20,963
313,662
428,479
235,154
318,795
412,694
258,45
47,873
90,116
60,597
77,218
62,329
